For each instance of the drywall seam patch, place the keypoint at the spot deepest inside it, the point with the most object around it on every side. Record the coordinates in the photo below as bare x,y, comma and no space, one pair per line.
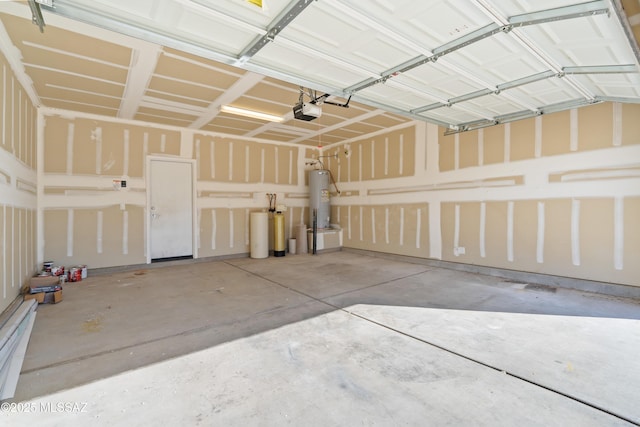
507,142
13,244
401,226
246,225
125,232
361,224
373,158
418,227
386,156
573,129
537,148
231,235
401,156
276,163
199,229
359,162
69,232
386,225
198,157
483,224
575,232
262,155
4,248
99,223
230,161
27,153
145,152
617,124
19,124
13,141
540,236
125,165
373,225
349,222
247,163
456,151
20,246
480,147
214,229
4,103
456,229
70,132
290,165
212,158
349,169
618,233
33,123
435,231
510,206
163,143
98,146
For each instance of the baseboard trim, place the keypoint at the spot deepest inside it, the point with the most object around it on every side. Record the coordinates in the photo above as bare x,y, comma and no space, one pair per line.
611,289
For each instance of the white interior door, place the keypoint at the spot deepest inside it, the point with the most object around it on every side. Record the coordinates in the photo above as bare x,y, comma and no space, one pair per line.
171,209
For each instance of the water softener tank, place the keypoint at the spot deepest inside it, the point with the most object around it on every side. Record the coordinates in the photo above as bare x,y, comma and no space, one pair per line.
278,234
319,197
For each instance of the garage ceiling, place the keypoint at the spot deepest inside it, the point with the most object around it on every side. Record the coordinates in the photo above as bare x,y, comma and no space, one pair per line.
463,64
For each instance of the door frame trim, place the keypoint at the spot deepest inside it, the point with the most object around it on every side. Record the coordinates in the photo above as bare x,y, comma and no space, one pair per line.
194,211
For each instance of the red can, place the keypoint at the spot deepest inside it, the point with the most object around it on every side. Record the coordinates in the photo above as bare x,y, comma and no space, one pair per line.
75,274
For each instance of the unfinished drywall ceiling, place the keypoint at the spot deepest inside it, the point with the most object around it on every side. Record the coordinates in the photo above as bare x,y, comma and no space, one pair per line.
466,65
79,67
462,65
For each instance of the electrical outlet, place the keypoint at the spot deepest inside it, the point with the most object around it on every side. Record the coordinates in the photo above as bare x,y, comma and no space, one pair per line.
458,250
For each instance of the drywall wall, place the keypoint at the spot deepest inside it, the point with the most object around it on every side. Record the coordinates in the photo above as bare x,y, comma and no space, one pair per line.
17,185
89,219
556,194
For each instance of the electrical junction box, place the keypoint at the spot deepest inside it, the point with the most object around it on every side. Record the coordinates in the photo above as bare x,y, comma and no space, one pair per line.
121,184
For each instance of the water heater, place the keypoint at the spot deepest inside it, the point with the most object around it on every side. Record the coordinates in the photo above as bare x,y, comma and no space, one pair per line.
319,197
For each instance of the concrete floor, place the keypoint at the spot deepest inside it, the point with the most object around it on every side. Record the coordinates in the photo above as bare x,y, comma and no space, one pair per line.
339,338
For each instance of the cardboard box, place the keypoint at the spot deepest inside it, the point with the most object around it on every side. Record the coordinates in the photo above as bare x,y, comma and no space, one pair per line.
38,297
34,282
45,297
52,297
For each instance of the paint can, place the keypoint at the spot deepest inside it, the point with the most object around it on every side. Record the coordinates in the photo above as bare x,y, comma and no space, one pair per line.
75,274
83,271
46,266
